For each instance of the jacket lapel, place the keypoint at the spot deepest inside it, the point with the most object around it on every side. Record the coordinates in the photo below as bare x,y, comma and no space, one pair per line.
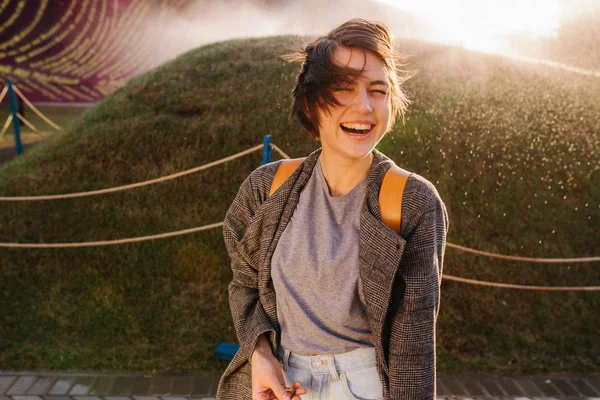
380,251
267,226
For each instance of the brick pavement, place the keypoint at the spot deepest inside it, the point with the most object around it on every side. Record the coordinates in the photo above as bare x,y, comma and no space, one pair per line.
202,385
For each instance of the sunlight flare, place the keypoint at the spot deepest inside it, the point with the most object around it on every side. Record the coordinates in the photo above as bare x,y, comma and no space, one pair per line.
483,25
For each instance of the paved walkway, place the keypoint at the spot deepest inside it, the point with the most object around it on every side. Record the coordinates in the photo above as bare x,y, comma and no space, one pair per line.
203,385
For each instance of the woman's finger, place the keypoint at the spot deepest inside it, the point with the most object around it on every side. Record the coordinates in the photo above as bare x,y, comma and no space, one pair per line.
294,392
298,393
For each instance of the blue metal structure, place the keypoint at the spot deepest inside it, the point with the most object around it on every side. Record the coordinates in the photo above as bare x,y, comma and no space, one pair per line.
267,152
12,99
226,351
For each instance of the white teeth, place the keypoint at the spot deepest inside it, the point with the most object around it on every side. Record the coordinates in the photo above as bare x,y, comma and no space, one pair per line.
359,127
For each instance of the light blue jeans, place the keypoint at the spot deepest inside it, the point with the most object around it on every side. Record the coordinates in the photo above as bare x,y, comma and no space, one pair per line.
344,376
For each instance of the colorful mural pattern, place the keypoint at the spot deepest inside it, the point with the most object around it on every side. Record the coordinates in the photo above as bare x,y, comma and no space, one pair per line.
75,50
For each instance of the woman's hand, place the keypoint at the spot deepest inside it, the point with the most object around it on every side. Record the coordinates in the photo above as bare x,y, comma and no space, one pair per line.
267,378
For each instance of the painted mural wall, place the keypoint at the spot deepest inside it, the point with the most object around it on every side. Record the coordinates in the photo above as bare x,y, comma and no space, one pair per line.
76,50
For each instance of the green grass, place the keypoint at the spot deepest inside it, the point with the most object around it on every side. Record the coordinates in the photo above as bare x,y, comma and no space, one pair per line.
512,149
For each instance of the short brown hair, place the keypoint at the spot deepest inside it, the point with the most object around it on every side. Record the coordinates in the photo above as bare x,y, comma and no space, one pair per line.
319,74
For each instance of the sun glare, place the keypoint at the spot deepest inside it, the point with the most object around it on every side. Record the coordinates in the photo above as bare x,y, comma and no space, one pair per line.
485,25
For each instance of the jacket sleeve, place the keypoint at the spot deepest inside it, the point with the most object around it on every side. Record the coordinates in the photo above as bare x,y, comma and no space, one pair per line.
412,369
249,317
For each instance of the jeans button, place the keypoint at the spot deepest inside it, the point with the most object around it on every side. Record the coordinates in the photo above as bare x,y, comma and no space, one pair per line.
317,363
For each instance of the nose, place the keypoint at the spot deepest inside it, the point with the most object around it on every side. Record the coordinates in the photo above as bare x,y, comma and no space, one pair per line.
362,103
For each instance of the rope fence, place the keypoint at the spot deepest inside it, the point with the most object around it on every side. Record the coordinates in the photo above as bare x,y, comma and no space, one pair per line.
522,287
6,125
133,185
111,242
488,254
524,259
3,93
16,117
29,124
281,153
38,112
220,224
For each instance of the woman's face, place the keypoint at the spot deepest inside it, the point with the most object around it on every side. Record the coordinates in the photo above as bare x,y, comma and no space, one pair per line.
352,129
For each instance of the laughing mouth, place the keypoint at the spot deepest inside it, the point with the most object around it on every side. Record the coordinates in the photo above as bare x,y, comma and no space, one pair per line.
357,129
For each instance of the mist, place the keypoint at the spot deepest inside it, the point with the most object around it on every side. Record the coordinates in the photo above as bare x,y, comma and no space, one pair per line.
511,26
171,32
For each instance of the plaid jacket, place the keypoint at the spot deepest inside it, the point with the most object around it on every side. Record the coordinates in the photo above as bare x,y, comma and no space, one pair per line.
401,275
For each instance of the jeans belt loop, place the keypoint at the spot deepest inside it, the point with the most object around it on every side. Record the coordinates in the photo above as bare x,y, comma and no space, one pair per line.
332,370
286,359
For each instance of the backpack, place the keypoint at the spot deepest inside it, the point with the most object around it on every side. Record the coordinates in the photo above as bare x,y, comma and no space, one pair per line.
390,194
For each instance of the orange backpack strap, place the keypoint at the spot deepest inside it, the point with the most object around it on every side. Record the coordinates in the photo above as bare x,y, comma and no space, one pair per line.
390,197
284,171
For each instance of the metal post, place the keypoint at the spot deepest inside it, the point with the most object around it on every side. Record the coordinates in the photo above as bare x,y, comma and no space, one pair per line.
267,152
13,109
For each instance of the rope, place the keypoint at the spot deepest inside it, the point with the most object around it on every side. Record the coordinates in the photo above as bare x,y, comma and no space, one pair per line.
29,124
38,112
219,224
3,93
111,242
494,255
527,259
6,125
232,157
281,153
524,287
133,185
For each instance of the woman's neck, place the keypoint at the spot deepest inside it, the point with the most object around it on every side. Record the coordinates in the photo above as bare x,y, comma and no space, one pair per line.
343,174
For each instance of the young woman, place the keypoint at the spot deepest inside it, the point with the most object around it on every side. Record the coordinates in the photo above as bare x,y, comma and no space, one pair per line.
327,300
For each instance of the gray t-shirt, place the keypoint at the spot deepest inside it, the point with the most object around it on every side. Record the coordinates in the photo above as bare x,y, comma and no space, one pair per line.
315,271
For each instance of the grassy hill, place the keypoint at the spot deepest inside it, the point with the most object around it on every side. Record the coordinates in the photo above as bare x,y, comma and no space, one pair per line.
511,147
